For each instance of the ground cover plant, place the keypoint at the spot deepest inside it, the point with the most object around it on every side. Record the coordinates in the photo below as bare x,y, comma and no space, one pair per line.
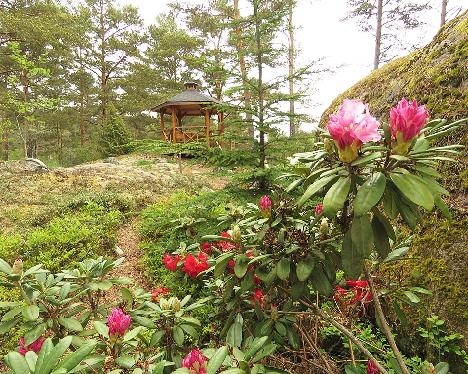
263,272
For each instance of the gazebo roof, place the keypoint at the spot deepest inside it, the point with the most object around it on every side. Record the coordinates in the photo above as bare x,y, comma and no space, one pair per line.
190,98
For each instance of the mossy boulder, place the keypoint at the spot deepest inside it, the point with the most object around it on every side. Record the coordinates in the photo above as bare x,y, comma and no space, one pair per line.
436,76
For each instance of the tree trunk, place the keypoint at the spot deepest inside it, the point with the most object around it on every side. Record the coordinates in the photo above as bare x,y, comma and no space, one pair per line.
292,53
103,83
378,34
5,144
261,104
443,13
243,69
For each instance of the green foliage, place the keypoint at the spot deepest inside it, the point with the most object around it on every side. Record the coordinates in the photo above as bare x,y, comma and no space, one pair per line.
114,138
65,240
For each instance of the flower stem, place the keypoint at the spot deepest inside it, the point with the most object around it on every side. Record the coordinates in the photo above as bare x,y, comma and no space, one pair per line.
385,327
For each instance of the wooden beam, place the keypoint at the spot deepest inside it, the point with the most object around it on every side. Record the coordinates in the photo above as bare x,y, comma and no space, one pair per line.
207,127
161,115
174,125
221,128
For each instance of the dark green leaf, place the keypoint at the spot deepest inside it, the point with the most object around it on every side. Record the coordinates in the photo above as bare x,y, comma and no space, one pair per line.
217,360
369,194
304,268
241,265
414,189
336,196
382,245
361,235
352,260
283,268
443,207
314,188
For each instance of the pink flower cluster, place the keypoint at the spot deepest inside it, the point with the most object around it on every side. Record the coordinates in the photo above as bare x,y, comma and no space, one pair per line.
265,203
351,127
35,346
118,322
372,367
407,120
195,361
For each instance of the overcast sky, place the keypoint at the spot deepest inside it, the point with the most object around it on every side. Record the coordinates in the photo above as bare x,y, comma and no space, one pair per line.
322,34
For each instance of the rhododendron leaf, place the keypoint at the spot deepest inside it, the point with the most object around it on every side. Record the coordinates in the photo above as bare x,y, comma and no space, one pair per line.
234,335
314,188
189,329
185,300
54,355
221,264
255,346
381,242
320,281
143,321
409,214
304,268
181,371
74,359
248,281
241,265
390,202
336,196
178,335
443,207
127,296
349,369
283,268
70,324
294,184
156,337
441,368
386,223
396,254
414,188
31,359
361,235
420,145
427,170
126,361
412,297
369,194
101,328
17,363
217,360
35,333
233,371
280,328
5,267
31,312
435,187
352,260
266,351
43,353
367,159
129,335
298,289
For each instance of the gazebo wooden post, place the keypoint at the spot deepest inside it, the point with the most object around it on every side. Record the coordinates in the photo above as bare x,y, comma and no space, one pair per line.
221,128
174,125
163,136
207,127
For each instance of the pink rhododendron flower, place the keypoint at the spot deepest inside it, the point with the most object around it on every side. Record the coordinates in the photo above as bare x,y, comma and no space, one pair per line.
35,346
265,203
372,367
158,292
351,127
195,361
195,265
318,209
118,322
171,261
406,122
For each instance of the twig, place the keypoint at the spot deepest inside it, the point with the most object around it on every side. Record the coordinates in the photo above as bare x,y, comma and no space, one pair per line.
384,324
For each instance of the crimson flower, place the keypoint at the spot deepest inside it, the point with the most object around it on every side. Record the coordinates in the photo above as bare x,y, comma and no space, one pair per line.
372,367
265,203
118,322
226,246
195,361
406,122
195,265
206,247
158,292
319,209
171,261
258,295
257,280
357,293
35,346
351,127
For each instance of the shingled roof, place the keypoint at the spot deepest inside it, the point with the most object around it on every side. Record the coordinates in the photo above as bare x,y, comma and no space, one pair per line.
191,96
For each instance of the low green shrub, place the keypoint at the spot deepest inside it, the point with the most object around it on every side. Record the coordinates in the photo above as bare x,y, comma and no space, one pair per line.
65,240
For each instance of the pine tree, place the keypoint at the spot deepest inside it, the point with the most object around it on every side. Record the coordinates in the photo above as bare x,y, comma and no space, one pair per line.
385,20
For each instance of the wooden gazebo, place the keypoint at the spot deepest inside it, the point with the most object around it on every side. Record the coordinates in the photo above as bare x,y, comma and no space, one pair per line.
190,102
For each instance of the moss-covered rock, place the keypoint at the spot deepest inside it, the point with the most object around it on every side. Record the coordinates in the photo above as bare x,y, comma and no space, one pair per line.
436,76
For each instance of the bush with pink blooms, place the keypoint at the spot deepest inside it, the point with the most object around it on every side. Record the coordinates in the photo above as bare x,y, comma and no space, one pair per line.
286,266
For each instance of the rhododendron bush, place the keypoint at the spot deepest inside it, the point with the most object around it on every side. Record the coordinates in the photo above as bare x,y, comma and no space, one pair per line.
283,253
284,258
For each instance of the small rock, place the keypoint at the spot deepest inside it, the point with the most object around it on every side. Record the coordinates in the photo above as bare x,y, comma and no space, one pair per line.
111,160
118,250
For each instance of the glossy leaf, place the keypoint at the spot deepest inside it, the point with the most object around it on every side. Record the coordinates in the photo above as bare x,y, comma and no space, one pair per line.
217,360
314,188
414,189
369,194
336,196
